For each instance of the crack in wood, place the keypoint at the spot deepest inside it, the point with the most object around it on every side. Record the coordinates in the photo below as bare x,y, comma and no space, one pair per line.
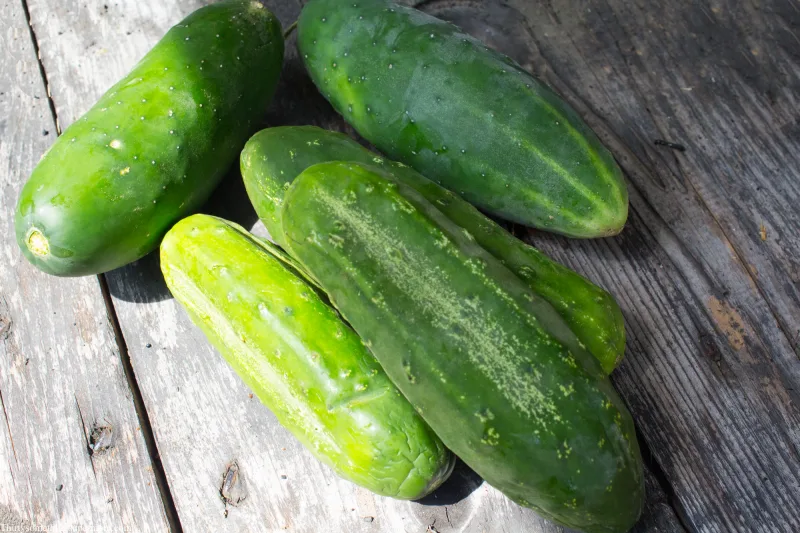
85,436
42,70
8,427
663,482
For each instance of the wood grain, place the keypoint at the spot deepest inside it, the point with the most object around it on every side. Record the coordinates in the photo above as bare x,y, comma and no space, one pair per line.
61,379
711,373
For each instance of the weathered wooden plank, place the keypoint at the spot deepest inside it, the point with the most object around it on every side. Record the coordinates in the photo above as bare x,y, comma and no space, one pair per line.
62,385
711,373
203,417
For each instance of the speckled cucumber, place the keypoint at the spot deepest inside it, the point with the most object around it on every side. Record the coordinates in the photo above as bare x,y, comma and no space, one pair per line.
300,359
490,366
273,157
432,97
154,146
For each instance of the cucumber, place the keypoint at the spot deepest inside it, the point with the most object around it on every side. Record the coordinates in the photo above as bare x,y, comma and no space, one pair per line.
300,359
490,366
432,97
273,157
154,146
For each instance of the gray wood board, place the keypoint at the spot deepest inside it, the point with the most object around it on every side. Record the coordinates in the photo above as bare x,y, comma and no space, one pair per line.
711,372
61,377
714,408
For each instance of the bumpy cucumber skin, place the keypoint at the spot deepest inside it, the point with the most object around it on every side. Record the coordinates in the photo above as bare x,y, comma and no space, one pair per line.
154,146
273,157
432,97
491,367
300,359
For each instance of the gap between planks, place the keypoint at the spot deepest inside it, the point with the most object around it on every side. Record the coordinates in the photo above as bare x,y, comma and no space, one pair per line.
42,71
650,463
141,412
138,402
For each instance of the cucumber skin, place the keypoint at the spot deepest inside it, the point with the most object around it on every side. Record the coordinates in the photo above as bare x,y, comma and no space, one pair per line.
305,364
492,368
273,157
434,98
97,206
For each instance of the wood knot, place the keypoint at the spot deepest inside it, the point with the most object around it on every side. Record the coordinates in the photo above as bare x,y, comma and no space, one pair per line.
100,439
232,490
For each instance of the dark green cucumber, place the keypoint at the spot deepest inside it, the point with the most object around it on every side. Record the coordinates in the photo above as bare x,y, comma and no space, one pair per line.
300,359
273,157
490,366
430,96
154,146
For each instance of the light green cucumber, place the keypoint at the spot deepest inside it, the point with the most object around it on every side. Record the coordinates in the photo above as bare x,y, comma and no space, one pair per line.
301,360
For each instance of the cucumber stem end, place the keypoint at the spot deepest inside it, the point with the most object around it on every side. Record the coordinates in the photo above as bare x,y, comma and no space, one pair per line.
37,243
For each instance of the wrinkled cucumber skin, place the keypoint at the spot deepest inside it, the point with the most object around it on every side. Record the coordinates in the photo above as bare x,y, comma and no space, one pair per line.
430,96
273,157
154,146
300,359
491,367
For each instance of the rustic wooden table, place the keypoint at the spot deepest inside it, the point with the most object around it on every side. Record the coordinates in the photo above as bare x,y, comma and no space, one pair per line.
120,417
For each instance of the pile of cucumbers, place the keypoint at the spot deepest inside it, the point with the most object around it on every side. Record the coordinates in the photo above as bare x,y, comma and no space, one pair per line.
389,323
